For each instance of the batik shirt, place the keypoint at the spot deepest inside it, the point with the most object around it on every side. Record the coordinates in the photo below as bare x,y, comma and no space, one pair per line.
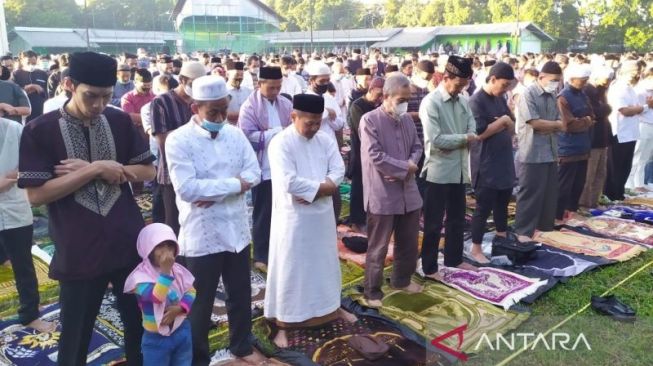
95,228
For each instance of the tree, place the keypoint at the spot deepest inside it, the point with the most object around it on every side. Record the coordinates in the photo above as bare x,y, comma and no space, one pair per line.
42,13
409,13
391,15
132,14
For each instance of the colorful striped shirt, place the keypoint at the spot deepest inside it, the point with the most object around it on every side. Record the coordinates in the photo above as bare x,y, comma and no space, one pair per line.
149,293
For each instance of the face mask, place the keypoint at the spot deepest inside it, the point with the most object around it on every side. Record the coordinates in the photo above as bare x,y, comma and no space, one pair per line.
188,90
321,89
421,82
551,87
30,68
338,77
212,126
401,108
255,71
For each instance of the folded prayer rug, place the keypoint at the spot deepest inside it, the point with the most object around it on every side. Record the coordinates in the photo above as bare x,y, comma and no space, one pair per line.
612,227
599,247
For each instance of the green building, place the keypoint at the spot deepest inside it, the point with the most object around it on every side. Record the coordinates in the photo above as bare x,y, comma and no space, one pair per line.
224,25
479,38
111,41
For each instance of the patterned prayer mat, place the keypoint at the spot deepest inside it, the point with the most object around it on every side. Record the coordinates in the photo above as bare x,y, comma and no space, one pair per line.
48,288
492,285
559,263
328,345
600,247
219,315
440,309
615,228
23,346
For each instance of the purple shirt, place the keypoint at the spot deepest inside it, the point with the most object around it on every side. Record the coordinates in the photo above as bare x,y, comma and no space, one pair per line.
386,147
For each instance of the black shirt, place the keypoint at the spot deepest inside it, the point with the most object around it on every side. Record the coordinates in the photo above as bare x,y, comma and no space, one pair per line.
95,228
38,77
602,130
491,160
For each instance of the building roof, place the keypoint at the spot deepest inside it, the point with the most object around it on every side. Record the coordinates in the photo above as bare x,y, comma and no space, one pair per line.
50,37
179,6
409,38
333,36
496,28
76,37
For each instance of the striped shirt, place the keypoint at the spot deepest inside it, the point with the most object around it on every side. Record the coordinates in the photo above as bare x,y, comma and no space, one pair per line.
148,293
416,97
169,112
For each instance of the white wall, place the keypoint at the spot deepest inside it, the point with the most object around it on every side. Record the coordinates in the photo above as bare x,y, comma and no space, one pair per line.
224,8
528,42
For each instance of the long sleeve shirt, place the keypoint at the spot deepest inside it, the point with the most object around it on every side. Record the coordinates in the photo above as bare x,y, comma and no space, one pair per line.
447,121
203,168
148,294
386,147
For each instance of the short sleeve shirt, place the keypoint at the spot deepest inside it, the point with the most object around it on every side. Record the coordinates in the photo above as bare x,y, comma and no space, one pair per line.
95,228
13,95
536,147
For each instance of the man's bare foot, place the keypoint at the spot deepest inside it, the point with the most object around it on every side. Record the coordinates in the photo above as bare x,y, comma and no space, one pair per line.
374,304
434,276
281,339
42,326
524,238
347,316
412,288
261,267
467,267
558,222
477,254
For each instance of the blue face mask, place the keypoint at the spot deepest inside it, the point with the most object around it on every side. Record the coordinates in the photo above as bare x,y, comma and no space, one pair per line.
212,126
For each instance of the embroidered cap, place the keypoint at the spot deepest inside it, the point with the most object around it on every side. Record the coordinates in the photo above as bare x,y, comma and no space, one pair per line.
459,66
210,87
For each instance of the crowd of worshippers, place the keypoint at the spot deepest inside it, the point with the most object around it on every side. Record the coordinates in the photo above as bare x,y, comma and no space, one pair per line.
85,134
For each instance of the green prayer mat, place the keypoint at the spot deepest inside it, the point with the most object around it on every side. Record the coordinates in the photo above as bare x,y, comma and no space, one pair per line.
48,288
440,309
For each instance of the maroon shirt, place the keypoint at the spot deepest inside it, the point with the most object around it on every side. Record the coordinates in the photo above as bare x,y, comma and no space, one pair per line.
386,147
95,228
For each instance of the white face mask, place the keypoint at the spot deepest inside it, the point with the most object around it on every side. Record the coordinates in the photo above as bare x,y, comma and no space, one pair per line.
188,90
255,70
647,84
30,68
401,108
551,87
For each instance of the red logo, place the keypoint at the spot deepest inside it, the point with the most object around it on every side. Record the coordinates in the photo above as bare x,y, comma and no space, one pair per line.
437,342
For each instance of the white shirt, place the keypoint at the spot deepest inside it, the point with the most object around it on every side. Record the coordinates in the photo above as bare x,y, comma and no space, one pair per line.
238,97
290,86
621,95
274,127
304,279
55,103
300,81
342,92
330,126
205,169
15,210
146,121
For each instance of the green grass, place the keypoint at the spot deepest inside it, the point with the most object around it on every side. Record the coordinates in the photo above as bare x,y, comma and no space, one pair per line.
612,343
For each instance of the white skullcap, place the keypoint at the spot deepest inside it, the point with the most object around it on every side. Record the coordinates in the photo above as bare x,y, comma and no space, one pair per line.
211,87
578,71
317,68
602,72
192,70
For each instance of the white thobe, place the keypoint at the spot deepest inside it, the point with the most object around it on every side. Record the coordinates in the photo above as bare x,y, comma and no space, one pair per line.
303,279
644,147
206,169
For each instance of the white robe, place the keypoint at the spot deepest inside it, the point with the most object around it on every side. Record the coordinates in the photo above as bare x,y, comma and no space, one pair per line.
303,280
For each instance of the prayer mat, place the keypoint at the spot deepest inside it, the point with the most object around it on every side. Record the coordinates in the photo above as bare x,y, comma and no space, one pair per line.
328,345
358,258
22,346
493,285
559,263
640,201
440,309
616,228
48,288
599,247
219,315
